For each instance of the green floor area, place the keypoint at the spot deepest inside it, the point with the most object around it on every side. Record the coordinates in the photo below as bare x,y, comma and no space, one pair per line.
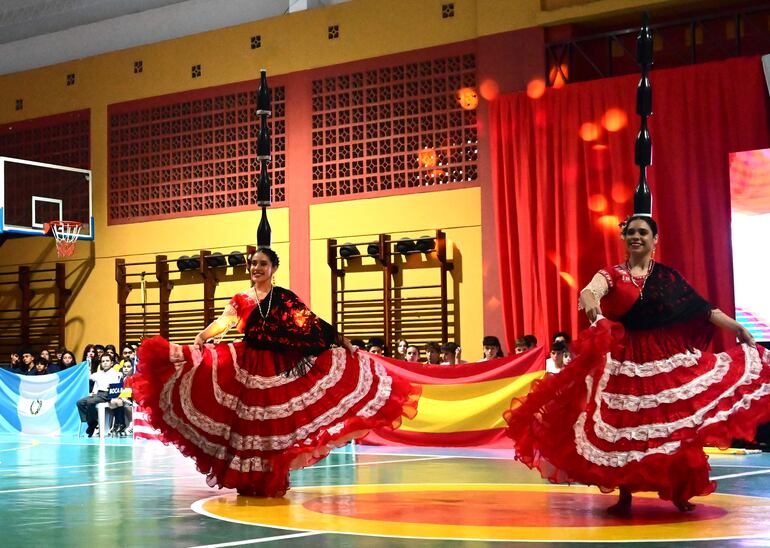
82,492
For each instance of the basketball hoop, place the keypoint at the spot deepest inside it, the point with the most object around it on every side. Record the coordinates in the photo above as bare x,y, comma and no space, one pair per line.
66,234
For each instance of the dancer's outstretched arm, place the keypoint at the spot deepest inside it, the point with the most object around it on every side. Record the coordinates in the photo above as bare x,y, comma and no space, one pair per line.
591,295
720,319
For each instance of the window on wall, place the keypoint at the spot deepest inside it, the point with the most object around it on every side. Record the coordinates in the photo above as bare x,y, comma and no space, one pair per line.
191,156
397,127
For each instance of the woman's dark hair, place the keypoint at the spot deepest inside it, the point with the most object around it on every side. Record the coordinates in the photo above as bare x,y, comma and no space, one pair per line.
559,346
107,355
433,347
376,341
449,347
86,350
272,255
530,340
562,334
71,354
649,220
111,347
491,340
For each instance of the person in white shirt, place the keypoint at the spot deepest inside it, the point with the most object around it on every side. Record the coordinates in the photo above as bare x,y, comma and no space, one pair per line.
102,381
559,357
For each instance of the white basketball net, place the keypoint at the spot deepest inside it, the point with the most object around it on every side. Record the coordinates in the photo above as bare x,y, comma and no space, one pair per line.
66,234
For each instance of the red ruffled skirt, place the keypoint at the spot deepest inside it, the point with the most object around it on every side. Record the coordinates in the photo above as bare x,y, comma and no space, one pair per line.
246,425
627,412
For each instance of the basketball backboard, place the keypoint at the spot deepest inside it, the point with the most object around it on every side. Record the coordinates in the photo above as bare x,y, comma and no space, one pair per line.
34,193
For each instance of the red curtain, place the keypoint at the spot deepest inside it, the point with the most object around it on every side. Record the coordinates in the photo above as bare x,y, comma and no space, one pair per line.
564,173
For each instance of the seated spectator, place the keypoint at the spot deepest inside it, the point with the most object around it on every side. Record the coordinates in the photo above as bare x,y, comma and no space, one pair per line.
451,354
520,345
401,346
127,353
14,364
527,342
40,368
412,354
66,361
376,345
59,351
99,350
491,347
121,405
112,351
45,355
433,353
561,336
102,381
358,343
559,357
27,362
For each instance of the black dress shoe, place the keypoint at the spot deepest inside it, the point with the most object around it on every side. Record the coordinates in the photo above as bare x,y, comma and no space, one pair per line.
90,430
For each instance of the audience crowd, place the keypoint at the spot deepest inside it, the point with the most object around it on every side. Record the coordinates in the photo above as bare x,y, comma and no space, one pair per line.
109,379
110,373
450,353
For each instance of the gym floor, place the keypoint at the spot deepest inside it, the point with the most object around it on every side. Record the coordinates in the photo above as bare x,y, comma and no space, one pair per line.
72,491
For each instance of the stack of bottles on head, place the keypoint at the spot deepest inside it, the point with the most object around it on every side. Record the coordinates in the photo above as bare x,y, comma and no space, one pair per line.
264,193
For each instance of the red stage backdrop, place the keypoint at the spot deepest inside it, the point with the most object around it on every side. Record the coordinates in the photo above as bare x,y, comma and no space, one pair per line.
564,173
461,405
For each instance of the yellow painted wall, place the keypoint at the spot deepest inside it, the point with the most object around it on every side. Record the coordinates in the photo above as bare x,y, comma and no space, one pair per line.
295,42
457,212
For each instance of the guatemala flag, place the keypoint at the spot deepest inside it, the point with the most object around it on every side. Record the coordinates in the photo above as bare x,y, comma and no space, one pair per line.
42,404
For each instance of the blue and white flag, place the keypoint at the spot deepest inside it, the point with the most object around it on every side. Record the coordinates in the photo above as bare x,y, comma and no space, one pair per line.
42,404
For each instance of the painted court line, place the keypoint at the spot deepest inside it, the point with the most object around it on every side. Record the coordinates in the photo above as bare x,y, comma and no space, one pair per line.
374,462
94,484
32,444
197,507
741,474
407,454
262,539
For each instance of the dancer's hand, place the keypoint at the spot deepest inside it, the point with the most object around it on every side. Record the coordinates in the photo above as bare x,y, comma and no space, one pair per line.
745,336
593,313
199,341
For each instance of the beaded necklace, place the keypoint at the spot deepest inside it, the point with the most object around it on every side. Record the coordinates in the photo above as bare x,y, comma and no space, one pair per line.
269,304
644,282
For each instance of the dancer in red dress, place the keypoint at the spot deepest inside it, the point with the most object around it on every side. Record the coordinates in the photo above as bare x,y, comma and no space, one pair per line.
642,396
282,399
